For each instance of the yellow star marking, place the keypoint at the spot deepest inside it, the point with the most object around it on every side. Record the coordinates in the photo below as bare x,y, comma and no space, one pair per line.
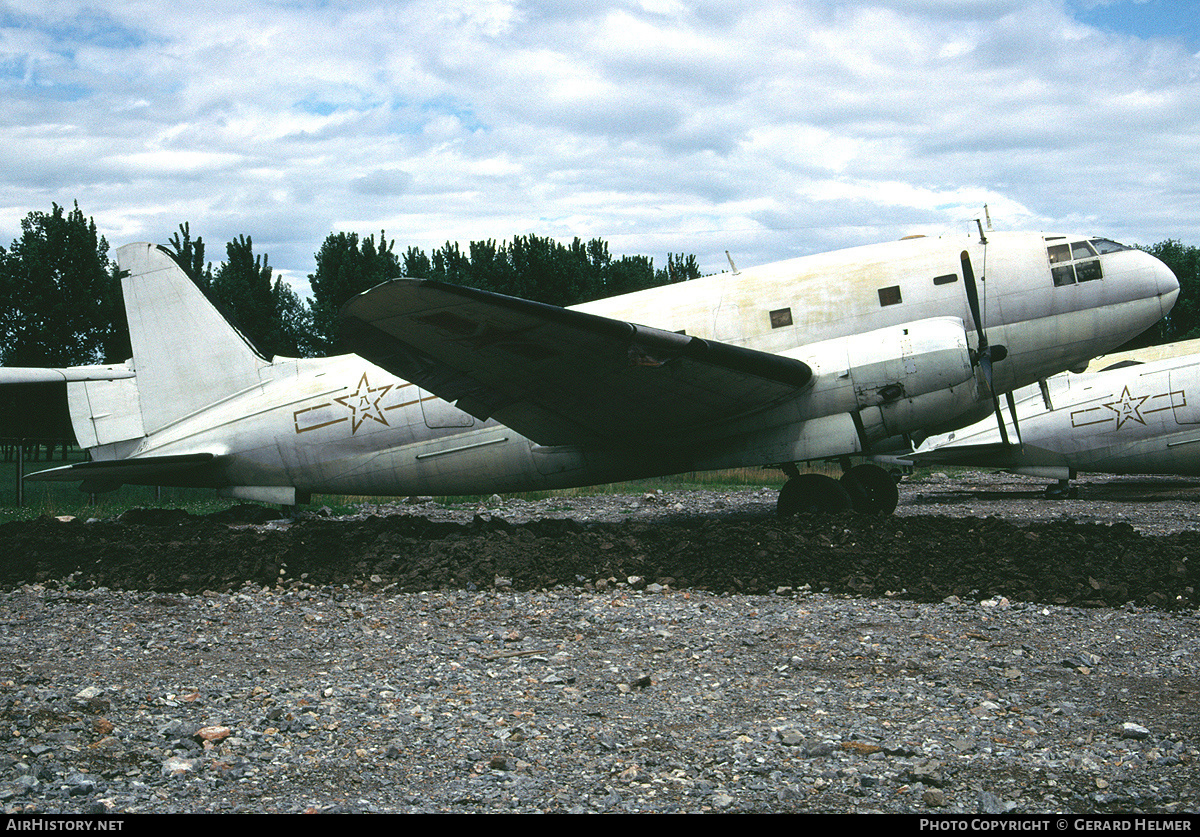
363,404
1128,407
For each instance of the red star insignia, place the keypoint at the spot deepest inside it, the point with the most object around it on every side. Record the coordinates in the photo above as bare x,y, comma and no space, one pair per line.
363,404
1128,408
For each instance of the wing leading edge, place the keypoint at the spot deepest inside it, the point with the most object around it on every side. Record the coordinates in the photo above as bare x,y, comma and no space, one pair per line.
559,376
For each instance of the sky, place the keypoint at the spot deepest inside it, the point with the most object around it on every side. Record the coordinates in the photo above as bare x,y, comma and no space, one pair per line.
768,129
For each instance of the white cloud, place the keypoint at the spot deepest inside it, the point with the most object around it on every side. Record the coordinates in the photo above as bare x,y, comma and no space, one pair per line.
770,129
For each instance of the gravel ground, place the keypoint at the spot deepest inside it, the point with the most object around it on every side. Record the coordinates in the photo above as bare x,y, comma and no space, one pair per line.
274,688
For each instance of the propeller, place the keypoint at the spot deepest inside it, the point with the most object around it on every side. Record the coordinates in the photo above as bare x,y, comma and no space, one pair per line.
986,354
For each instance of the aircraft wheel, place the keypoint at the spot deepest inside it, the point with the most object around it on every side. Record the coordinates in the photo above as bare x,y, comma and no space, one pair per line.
872,489
1062,490
812,494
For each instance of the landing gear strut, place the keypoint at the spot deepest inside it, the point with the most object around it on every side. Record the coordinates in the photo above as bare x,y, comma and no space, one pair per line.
867,489
1062,490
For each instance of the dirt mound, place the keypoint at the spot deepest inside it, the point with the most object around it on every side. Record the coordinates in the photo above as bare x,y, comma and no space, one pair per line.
920,558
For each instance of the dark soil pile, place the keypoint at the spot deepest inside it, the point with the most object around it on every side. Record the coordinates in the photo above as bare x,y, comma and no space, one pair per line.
919,558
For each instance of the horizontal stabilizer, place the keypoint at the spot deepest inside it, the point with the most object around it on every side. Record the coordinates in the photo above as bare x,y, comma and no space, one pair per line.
560,376
34,375
34,404
107,474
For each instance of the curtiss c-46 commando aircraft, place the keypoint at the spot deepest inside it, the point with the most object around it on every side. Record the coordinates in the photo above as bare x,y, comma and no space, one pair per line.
459,391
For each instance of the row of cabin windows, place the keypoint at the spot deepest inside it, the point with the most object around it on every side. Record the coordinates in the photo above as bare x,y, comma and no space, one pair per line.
1069,264
782,317
1079,261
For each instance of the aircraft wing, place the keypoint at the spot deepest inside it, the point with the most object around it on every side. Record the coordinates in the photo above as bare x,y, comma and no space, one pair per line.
559,376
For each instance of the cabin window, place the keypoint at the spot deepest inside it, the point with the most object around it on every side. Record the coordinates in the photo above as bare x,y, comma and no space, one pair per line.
780,318
1075,262
890,296
1059,253
1103,245
945,280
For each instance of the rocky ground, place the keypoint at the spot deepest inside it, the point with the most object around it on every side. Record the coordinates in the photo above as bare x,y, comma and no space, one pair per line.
982,650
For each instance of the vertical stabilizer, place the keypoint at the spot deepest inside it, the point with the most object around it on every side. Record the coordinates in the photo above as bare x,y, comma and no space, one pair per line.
186,354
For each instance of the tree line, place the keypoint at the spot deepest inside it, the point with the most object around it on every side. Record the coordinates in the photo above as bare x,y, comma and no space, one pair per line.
60,294
61,304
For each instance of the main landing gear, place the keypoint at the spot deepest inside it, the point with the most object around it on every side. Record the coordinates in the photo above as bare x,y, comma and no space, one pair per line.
1062,490
867,489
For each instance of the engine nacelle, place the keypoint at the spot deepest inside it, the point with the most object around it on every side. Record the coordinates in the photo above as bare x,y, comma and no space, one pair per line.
887,366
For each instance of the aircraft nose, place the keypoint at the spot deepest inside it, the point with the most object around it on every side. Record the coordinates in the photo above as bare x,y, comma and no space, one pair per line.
1167,285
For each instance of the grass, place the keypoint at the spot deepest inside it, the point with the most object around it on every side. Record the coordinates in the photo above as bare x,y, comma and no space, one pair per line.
65,498
732,479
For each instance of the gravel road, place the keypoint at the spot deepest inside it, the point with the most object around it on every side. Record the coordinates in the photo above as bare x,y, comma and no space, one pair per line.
982,651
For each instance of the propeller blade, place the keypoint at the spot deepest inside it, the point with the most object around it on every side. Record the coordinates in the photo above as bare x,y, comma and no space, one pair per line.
1012,409
973,299
986,354
1000,420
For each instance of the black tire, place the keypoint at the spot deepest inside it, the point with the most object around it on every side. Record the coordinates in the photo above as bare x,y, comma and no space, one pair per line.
872,489
1058,491
812,494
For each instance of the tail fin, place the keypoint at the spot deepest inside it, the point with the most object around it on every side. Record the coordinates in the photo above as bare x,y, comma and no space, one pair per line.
186,354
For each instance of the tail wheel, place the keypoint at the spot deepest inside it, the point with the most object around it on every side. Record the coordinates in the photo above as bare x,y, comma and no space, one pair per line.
812,494
871,489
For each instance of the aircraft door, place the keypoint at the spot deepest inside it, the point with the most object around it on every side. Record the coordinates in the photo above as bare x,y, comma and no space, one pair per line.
1185,399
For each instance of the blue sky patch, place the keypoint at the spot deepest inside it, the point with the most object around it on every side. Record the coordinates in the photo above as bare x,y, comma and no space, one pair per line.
1150,19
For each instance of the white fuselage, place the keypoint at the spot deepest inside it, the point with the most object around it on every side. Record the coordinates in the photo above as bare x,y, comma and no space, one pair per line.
886,328
1140,419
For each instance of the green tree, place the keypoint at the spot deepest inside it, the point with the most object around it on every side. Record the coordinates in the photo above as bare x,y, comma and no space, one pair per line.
680,268
295,323
450,264
628,274
416,264
55,286
189,255
242,285
544,270
267,311
346,266
1183,323
114,339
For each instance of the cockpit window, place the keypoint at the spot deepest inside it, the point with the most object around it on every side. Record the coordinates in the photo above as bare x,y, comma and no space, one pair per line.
1103,245
1077,261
